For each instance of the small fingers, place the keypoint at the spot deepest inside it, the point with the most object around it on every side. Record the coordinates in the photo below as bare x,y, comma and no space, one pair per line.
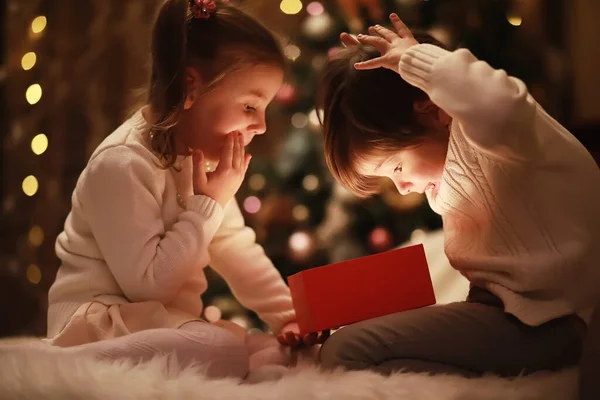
348,40
281,340
370,64
199,174
241,164
400,26
376,41
383,32
292,340
227,154
247,159
310,339
237,151
323,336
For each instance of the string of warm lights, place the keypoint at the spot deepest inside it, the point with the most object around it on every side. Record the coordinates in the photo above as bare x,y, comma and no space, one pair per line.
39,144
291,7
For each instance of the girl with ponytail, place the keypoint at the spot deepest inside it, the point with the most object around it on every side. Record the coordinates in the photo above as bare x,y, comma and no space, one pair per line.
155,205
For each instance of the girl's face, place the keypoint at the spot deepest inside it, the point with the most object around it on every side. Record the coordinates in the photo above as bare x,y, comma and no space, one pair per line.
237,104
415,169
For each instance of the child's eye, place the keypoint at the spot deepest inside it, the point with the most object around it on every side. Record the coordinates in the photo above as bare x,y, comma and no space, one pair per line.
249,108
398,168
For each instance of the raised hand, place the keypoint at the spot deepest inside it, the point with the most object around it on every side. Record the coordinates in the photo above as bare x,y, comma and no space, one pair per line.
222,184
391,45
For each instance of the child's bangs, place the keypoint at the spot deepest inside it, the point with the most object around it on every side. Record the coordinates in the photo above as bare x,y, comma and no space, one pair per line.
346,158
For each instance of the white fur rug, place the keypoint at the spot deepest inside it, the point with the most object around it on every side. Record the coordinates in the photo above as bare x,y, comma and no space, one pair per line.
29,373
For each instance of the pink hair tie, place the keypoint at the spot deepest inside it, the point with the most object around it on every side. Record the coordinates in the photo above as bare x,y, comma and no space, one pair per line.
201,9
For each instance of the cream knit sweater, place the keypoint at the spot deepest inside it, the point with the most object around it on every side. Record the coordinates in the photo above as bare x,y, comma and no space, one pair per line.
128,239
519,197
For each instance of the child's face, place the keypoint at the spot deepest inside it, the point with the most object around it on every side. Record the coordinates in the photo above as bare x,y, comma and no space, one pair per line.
237,103
416,169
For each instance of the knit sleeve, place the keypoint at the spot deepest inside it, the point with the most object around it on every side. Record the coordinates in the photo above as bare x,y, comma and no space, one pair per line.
494,110
121,198
252,277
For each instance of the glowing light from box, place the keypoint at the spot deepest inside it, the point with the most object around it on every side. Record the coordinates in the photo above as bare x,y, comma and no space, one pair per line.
252,204
39,24
39,144
291,7
30,185
315,8
33,274
212,314
28,61
310,183
36,236
299,120
257,182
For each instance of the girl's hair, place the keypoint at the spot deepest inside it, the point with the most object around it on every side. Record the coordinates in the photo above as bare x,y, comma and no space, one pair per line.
224,42
366,113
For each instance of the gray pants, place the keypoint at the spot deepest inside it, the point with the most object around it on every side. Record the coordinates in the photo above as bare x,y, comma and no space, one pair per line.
467,338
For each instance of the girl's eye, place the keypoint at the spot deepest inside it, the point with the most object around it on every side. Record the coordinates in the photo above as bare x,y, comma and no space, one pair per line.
398,168
249,108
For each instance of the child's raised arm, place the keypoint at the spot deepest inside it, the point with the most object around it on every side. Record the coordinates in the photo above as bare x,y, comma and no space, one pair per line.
122,200
250,274
493,108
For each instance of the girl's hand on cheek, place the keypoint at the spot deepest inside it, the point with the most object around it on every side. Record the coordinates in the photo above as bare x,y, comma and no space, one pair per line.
222,184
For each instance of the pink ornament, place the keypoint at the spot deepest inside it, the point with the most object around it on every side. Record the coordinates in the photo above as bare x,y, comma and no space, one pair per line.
380,239
286,94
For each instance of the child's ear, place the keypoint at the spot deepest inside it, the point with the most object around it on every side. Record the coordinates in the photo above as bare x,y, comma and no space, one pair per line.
424,106
192,85
444,118
429,114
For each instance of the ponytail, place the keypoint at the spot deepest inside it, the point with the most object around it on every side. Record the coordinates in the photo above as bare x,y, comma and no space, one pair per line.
168,88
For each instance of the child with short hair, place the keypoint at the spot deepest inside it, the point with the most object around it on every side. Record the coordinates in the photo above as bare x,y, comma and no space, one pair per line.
518,195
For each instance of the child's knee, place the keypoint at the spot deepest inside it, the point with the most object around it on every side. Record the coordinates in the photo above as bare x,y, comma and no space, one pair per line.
342,350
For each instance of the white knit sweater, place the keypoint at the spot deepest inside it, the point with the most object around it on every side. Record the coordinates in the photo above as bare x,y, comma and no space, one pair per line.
519,197
128,239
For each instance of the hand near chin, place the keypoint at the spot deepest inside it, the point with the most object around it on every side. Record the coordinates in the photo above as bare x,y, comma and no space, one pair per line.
222,184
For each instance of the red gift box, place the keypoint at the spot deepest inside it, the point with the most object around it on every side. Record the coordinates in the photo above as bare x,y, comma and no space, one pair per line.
343,293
